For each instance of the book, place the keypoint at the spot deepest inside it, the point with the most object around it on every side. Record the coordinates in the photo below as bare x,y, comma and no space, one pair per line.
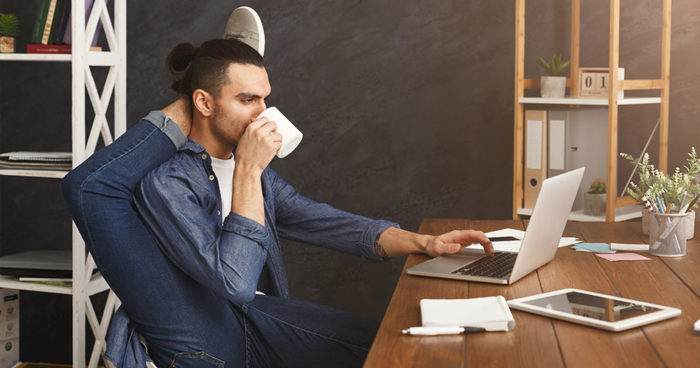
60,23
44,279
36,160
48,49
55,49
37,156
67,37
48,281
491,313
51,13
40,21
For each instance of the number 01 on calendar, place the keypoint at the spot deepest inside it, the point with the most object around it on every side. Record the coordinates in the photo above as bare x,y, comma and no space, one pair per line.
594,82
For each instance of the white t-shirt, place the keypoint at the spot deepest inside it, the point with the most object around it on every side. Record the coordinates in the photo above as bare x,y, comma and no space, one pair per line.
224,174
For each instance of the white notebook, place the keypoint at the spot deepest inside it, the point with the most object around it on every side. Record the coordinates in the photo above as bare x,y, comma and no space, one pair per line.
491,313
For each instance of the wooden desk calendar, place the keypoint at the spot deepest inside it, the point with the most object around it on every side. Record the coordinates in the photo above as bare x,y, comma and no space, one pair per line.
594,82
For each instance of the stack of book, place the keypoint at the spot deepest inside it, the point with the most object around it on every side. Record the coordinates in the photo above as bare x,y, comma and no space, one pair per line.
36,160
52,28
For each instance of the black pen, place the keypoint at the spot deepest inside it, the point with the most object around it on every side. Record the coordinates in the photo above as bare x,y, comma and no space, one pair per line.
441,330
692,203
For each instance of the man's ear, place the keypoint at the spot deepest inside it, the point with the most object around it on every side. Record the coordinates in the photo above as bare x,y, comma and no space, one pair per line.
203,102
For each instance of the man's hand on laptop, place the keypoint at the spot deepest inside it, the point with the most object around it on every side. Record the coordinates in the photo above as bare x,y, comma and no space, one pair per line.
454,241
395,242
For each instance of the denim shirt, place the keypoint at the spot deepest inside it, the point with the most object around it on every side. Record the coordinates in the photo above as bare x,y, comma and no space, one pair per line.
181,204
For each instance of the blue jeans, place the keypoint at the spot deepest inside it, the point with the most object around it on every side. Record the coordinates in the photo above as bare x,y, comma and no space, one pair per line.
184,323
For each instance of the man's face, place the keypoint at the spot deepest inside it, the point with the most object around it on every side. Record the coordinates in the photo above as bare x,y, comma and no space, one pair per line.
240,101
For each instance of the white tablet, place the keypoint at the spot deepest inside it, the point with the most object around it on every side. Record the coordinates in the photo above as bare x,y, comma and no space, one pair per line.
592,309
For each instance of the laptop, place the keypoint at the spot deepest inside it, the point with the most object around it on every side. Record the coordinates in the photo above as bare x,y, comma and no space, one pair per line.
538,247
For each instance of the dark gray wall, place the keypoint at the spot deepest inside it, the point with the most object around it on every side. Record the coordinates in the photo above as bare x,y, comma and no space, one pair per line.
406,107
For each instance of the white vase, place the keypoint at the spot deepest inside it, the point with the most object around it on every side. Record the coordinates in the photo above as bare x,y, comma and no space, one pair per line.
552,87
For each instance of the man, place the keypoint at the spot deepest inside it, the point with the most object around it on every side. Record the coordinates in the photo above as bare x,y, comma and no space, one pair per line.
194,303
181,201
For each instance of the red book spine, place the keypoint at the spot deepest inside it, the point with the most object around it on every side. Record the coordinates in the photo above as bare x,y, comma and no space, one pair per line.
48,49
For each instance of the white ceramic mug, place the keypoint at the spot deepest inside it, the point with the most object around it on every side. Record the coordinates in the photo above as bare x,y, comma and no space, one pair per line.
291,136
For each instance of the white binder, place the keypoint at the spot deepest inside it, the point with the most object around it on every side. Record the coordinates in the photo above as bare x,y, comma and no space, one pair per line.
535,155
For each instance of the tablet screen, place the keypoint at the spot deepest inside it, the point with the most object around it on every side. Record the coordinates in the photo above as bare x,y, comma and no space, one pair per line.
592,306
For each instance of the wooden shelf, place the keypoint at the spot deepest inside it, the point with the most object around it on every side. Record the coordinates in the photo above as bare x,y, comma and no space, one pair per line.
621,214
589,101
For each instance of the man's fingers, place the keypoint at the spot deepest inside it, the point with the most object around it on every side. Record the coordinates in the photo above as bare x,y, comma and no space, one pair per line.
488,248
454,248
257,123
264,129
465,236
468,237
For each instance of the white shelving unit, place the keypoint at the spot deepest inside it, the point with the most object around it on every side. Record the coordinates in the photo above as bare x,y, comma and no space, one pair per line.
85,284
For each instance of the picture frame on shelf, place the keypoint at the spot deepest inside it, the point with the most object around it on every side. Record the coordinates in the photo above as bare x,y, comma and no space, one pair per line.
594,82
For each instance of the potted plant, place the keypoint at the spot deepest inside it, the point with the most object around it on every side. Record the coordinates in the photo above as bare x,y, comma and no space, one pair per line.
553,85
594,199
676,190
9,28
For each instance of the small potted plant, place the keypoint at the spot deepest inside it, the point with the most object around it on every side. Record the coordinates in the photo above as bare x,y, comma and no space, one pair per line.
553,85
676,190
594,199
9,28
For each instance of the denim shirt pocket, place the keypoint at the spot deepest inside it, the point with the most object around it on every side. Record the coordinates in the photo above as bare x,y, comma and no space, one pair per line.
195,360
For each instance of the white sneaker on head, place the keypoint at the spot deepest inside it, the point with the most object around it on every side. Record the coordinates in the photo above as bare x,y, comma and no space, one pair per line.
245,25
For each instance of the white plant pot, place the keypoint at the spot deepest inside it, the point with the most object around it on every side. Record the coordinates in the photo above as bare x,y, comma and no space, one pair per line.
552,87
690,226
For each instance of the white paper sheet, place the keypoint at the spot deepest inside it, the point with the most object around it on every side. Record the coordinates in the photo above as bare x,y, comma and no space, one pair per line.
514,246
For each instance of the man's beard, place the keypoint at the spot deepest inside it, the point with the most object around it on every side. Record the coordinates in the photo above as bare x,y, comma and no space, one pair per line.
219,122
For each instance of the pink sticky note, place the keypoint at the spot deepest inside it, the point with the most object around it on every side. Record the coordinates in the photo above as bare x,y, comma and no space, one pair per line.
623,257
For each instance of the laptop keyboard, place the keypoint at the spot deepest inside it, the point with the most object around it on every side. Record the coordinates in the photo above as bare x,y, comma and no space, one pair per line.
499,266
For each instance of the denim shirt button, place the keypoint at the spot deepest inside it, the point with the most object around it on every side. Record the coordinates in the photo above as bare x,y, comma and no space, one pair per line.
204,156
211,177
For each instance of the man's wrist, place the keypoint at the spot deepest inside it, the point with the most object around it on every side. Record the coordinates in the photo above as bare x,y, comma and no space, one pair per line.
380,251
243,169
422,243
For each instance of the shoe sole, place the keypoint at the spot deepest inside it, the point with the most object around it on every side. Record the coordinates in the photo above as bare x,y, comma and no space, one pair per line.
258,25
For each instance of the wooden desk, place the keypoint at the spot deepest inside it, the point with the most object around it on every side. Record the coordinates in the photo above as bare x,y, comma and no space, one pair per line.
544,342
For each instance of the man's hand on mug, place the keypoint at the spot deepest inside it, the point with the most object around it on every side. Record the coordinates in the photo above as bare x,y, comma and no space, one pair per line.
258,145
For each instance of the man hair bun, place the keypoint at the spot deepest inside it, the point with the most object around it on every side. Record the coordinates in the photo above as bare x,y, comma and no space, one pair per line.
178,62
205,67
